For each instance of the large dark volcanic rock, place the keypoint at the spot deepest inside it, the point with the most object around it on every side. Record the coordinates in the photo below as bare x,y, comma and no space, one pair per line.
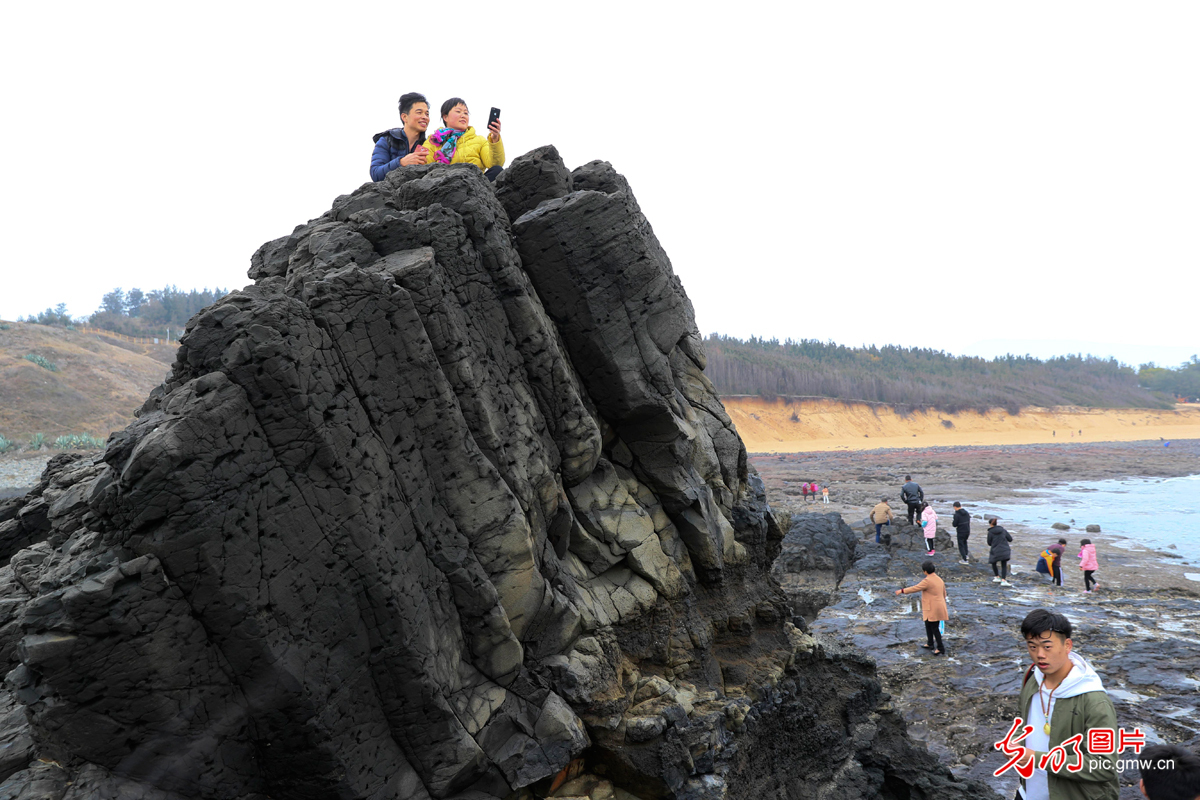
442,505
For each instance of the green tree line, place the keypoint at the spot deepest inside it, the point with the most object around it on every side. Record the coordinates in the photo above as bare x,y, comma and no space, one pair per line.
923,378
138,313
1182,383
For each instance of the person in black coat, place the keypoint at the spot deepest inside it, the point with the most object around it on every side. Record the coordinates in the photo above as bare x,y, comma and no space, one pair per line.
962,526
998,539
913,497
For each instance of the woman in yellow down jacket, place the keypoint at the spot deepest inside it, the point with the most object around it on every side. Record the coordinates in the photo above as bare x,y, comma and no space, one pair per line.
457,143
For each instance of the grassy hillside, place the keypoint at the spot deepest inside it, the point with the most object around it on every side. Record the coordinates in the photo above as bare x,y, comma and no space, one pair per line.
58,382
920,378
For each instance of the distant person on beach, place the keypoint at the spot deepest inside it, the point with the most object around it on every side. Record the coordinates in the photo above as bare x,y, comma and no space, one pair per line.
1169,772
1062,696
928,527
962,528
405,146
934,609
912,496
881,515
815,487
457,143
1088,563
825,495
998,540
805,489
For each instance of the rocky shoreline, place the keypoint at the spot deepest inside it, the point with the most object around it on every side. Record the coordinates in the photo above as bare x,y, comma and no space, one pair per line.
1141,632
982,476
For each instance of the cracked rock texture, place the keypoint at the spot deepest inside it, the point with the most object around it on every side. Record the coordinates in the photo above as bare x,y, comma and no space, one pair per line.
441,506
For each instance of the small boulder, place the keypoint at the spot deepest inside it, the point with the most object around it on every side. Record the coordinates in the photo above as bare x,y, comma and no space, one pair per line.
1093,528
1061,526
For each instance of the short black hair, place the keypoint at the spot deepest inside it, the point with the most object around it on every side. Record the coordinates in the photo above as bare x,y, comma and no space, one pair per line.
884,500
957,504
408,98
1178,781
908,477
993,520
1041,620
1062,541
929,568
451,103
1082,542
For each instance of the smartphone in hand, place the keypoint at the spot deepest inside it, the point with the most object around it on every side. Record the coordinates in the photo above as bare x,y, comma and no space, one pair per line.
492,117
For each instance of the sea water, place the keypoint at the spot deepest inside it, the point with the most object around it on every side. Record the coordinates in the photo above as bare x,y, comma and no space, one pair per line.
1159,513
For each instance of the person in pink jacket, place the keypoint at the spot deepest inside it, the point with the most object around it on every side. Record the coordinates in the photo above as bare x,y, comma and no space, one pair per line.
928,528
1087,563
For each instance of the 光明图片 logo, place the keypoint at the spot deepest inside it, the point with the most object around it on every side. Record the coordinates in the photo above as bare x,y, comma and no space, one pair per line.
1100,742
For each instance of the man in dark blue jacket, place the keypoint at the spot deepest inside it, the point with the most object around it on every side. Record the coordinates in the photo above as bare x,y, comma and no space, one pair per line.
402,147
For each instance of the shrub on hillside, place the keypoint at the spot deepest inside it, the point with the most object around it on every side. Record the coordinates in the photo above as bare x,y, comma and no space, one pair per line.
6,444
36,442
41,362
79,441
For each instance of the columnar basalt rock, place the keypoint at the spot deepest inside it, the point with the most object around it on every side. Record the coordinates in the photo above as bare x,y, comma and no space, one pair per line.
441,506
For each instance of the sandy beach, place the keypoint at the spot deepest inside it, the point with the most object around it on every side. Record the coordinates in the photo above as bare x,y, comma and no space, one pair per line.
780,426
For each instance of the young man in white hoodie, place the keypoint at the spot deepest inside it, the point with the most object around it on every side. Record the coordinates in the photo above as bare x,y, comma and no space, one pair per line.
1062,696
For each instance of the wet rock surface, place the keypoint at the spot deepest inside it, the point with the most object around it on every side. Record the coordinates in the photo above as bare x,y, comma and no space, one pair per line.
1143,643
441,506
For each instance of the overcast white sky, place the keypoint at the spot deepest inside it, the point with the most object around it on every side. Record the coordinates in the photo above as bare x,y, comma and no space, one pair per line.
967,176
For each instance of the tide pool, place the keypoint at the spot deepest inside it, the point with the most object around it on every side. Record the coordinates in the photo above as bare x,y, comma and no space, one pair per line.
1154,512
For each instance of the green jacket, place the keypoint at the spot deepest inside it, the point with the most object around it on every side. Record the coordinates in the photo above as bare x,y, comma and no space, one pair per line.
1098,778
